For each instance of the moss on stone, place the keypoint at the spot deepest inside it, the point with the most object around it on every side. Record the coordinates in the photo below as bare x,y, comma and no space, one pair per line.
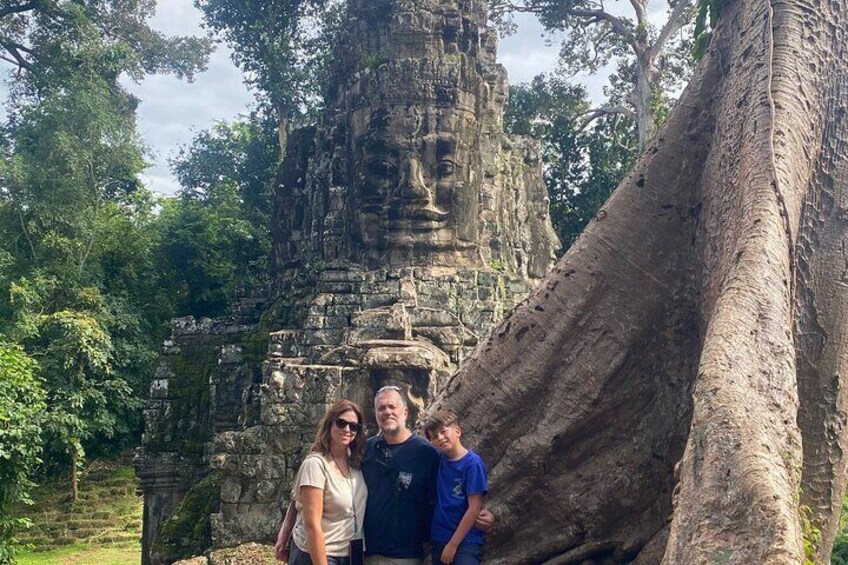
189,396
188,531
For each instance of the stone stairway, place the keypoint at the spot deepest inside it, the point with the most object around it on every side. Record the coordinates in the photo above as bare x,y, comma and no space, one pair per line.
107,512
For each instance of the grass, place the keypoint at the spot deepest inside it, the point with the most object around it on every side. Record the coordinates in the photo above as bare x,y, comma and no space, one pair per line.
103,526
84,555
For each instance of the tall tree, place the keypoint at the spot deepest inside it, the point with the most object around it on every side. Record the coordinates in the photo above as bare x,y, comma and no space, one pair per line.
674,391
217,232
38,36
79,290
283,46
657,59
581,166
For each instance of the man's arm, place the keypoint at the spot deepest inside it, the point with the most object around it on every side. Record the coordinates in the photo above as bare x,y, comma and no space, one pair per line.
485,520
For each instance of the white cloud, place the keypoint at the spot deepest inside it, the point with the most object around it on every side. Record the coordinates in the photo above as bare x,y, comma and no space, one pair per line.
529,51
171,110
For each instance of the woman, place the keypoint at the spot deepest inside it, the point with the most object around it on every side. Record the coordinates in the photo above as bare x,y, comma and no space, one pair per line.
330,492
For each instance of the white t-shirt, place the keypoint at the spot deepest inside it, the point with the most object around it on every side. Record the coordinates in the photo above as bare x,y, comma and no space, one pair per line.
344,504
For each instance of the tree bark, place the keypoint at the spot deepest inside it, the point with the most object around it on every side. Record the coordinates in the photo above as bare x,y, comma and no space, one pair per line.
650,401
645,119
74,477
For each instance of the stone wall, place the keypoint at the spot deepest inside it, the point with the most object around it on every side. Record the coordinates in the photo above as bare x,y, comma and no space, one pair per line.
409,327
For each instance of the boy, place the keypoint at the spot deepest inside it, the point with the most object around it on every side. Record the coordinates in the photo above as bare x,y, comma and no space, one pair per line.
460,487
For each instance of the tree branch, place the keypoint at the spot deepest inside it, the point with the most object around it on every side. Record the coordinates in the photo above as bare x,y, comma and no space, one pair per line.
678,18
32,5
618,25
595,113
8,59
14,49
26,235
641,12
504,6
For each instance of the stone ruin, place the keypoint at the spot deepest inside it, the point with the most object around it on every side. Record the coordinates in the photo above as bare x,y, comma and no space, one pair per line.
407,224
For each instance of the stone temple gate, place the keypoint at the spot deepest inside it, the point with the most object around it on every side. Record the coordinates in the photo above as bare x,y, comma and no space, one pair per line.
407,224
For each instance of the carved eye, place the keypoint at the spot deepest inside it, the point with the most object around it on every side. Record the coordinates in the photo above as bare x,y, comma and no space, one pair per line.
446,168
382,168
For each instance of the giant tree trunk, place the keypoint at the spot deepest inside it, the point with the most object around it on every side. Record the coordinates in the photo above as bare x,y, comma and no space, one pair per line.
650,401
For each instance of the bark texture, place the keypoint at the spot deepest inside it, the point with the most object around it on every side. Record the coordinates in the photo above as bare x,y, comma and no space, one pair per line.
673,391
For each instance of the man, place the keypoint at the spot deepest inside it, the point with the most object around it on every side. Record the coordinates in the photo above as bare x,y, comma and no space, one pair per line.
400,470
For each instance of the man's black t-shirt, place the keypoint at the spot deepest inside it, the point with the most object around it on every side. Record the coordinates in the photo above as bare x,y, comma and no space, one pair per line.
401,481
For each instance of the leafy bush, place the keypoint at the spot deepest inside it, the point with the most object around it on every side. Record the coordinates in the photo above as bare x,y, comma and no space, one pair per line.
21,405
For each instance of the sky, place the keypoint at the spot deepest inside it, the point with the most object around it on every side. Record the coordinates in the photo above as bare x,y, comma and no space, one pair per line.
173,111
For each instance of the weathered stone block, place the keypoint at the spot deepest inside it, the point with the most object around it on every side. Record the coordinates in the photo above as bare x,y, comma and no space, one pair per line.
233,353
285,439
381,287
226,442
345,310
249,465
378,300
266,491
305,415
230,491
227,464
348,299
342,276
338,287
323,337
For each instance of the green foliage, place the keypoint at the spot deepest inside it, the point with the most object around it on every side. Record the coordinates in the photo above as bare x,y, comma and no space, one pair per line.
595,37
283,47
85,553
188,531
810,534
107,516
581,167
839,555
372,61
52,39
79,285
86,397
216,233
709,11
21,407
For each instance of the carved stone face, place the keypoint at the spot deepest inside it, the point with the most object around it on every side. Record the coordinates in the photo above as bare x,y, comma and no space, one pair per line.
413,183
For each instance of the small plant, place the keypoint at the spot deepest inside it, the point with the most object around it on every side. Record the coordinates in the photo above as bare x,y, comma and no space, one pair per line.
810,534
371,61
703,33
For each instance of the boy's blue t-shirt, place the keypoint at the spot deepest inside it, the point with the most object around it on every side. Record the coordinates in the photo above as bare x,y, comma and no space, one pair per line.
457,481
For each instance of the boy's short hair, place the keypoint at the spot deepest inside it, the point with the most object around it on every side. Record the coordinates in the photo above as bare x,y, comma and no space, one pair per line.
438,420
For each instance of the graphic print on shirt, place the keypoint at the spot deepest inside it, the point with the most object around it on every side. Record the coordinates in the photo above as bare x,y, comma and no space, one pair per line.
404,480
457,488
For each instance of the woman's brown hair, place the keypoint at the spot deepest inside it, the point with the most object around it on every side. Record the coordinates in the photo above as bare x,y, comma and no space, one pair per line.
322,437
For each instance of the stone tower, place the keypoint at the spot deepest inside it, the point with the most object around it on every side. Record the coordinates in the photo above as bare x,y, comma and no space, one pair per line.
406,226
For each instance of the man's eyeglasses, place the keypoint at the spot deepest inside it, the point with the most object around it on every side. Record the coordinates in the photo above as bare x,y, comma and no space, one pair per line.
341,424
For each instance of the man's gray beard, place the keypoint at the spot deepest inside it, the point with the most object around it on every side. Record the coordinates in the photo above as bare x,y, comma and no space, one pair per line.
398,429
387,432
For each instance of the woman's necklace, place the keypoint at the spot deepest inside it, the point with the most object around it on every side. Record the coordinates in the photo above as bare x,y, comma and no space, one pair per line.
343,469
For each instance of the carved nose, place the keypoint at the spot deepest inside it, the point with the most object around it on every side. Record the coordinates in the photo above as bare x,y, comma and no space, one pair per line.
412,186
